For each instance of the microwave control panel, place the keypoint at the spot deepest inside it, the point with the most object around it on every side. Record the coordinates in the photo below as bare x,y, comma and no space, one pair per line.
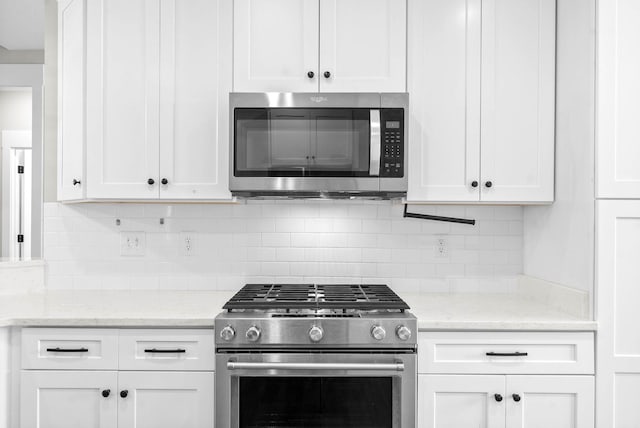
392,153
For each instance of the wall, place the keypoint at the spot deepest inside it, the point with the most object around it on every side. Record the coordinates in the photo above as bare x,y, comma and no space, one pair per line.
324,241
559,239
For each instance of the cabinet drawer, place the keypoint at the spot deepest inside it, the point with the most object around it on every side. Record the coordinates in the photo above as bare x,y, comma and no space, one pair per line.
506,353
167,350
69,348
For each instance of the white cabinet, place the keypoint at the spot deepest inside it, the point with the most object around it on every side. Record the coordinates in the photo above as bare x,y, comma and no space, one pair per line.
506,380
144,90
446,401
482,120
320,45
172,385
618,276
69,399
166,399
618,100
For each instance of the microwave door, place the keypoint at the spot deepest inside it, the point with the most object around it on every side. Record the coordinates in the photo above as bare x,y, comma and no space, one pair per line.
341,144
291,135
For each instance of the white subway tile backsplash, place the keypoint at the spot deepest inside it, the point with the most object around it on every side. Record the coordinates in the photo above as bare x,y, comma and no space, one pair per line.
287,241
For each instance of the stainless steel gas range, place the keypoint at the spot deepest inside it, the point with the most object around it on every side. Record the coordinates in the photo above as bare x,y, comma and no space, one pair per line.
313,355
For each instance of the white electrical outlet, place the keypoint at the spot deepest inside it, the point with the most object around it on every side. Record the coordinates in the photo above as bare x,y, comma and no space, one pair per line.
187,242
442,247
132,243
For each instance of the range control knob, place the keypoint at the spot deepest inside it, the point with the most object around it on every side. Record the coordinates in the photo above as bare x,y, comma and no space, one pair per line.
253,333
227,333
403,332
378,332
316,333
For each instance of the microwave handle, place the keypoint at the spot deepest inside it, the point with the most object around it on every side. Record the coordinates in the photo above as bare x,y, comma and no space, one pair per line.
375,143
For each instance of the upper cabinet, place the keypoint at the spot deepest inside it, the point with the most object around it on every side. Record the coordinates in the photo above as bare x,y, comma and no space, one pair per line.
618,100
320,45
144,99
482,84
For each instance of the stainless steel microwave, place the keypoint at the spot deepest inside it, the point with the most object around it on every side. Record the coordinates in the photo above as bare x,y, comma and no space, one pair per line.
318,145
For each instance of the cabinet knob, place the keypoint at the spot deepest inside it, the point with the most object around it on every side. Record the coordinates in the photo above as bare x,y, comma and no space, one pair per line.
516,397
164,181
474,183
311,75
498,397
76,182
151,182
327,74
488,184
106,393
124,393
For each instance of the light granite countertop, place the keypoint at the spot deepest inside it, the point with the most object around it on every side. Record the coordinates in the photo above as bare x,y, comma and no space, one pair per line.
464,311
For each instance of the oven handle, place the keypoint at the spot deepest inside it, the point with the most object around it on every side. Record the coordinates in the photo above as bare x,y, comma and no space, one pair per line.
234,365
375,143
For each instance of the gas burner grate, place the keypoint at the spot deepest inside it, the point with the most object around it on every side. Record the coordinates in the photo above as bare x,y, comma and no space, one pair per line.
316,296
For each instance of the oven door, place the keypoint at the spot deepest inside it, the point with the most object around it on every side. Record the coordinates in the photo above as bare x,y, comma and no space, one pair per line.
346,390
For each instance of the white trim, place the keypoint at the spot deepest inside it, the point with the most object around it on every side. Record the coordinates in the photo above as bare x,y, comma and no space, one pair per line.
31,75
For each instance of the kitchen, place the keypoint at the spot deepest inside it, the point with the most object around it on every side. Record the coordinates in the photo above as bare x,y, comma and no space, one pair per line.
507,132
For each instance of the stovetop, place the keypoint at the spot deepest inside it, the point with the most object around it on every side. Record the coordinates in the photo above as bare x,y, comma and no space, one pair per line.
344,297
307,316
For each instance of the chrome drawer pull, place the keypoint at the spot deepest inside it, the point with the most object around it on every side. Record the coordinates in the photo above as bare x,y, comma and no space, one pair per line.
67,350
232,365
507,354
165,351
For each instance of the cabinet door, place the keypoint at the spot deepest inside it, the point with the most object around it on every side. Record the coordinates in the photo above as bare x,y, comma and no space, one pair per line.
195,81
68,399
122,98
452,401
518,100
618,99
166,400
275,45
71,98
550,401
444,145
363,45
618,345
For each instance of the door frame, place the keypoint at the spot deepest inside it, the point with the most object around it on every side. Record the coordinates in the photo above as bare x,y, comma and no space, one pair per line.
31,76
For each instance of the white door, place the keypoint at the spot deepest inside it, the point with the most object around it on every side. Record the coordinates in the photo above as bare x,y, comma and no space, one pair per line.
550,401
452,401
363,45
618,277
618,99
71,99
275,45
17,171
195,81
166,400
444,141
122,99
68,399
518,100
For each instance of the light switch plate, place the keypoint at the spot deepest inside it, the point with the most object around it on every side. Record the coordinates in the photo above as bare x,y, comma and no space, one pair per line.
132,244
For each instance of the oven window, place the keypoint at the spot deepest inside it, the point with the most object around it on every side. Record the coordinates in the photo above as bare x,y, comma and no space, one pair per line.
281,142
345,402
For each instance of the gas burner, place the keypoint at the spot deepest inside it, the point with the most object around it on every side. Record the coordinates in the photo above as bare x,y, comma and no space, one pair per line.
343,297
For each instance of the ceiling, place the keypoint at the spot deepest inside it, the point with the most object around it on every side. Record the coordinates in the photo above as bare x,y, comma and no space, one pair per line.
22,24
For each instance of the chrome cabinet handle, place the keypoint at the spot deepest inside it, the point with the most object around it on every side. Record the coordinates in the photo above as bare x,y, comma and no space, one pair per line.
233,365
507,354
374,149
165,351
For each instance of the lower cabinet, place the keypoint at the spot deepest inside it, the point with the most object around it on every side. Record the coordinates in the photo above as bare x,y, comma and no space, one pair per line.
173,385
110,399
529,401
506,379
57,399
